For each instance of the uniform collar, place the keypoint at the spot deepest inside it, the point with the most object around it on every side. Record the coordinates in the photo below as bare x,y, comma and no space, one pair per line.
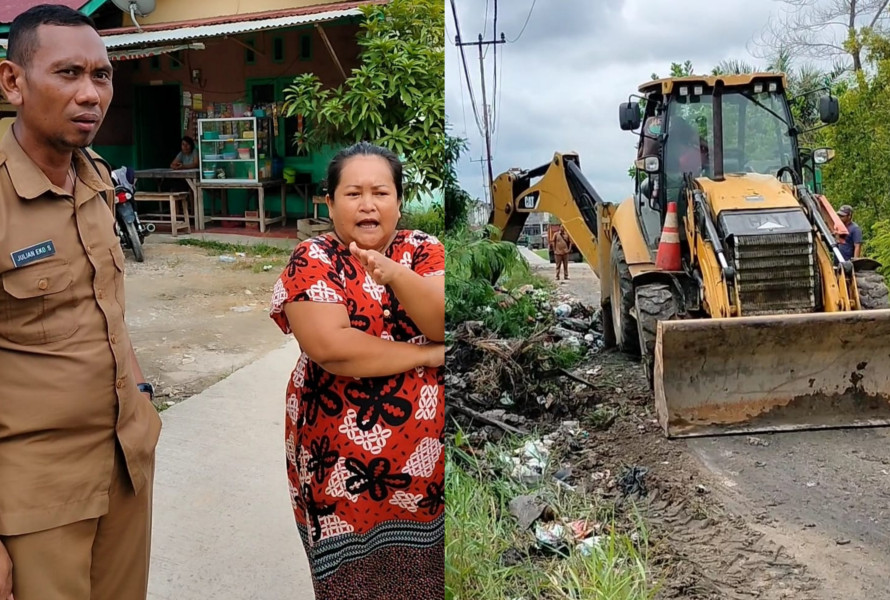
30,182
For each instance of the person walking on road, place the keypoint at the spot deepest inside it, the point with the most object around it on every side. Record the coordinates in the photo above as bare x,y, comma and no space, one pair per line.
77,426
365,404
851,247
561,246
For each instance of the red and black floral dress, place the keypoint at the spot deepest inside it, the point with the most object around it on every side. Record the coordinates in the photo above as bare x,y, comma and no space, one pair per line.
365,456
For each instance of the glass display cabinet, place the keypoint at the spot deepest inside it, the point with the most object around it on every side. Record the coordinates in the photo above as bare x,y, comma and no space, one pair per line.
237,150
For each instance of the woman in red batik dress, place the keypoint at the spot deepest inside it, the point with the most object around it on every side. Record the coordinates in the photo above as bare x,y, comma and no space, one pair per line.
365,404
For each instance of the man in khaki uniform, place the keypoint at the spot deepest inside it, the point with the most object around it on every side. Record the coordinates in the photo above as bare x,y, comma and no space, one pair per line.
77,427
561,247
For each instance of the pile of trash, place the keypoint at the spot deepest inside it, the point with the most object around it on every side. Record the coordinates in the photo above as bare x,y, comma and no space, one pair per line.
532,466
506,380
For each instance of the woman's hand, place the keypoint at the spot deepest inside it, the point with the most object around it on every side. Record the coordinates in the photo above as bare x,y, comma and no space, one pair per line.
381,269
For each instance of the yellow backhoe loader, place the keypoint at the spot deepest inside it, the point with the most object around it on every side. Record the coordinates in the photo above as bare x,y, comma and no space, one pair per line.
758,323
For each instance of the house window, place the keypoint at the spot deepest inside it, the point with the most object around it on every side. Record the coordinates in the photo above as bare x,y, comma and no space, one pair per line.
176,59
306,46
250,55
278,49
155,62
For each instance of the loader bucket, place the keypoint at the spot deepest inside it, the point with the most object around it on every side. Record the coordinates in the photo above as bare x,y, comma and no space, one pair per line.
773,373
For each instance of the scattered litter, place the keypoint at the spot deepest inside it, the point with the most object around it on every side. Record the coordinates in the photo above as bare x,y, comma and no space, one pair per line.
248,292
632,481
527,510
169,403
530,461
226,259
811,484
601,475
267,267
842,542
563,474
587,547
759,464
700,489
551,536
187,360
756,441
242,309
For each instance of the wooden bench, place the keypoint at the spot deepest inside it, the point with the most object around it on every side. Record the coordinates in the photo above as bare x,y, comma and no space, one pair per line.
171,218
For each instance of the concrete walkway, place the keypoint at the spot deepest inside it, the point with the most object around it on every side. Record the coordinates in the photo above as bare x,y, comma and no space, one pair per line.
532,258
223,524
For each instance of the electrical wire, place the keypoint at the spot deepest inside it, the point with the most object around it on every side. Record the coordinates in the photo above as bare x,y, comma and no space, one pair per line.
526,23
494,94
463,57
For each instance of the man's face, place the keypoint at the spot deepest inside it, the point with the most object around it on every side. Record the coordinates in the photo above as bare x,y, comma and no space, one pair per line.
846,219
64,91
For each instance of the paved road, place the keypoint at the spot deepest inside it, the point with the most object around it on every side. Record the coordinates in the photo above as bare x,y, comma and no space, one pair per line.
223,525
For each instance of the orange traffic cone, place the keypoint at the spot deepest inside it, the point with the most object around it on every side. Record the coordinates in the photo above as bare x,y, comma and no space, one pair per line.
668,257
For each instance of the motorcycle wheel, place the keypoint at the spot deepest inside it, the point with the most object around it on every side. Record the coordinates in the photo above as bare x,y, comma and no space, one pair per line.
135,244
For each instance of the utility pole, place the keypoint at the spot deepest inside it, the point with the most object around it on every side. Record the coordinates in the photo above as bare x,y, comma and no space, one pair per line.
486,124
486,189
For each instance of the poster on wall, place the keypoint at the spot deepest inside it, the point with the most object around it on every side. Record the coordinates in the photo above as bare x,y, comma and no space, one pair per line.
198,101
187,99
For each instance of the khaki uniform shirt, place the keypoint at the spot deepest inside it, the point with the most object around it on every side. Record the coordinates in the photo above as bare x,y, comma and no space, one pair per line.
67,389
560,243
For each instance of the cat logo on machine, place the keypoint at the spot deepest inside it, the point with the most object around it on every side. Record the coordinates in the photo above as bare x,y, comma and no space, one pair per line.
530,202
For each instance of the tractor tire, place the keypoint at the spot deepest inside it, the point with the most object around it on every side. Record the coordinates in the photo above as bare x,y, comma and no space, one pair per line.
873,292
608,328
655,302
622,302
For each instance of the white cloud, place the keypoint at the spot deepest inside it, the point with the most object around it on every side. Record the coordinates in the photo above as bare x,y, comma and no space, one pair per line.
561,83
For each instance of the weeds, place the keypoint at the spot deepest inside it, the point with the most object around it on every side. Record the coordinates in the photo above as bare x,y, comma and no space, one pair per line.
474,265
488,557
260,250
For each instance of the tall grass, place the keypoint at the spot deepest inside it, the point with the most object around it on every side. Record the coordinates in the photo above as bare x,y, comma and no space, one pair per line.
480,532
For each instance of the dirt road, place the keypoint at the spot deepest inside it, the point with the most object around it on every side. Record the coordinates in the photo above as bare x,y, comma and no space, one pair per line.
194,320
791,515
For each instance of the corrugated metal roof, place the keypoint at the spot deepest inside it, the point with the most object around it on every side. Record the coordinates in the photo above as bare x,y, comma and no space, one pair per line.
208,31
10,9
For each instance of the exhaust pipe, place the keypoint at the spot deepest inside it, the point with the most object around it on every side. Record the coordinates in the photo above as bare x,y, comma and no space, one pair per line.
150,227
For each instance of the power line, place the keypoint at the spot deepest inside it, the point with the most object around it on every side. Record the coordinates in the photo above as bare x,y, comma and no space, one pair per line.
526,22
463,104
485,112
494,93
463,57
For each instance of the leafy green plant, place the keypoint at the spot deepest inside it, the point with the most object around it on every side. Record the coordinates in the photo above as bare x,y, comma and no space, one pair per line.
394,98
429,220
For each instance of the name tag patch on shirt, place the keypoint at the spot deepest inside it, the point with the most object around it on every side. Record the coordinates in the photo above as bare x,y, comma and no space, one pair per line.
31,254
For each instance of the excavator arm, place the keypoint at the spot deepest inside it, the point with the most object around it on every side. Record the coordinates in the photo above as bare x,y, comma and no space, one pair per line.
561,190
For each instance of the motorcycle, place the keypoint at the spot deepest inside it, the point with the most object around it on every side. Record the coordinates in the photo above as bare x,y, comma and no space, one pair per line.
129,229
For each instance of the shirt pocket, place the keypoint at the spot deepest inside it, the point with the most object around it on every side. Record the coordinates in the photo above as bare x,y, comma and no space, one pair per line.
38,304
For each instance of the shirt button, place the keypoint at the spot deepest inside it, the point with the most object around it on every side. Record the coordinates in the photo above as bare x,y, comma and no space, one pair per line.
43,284
386,313
120,384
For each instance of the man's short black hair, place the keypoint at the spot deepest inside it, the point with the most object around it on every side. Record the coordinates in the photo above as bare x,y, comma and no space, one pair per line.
22,42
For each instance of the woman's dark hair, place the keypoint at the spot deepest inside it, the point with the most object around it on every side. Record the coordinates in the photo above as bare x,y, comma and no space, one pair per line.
22,42
335,168
190,141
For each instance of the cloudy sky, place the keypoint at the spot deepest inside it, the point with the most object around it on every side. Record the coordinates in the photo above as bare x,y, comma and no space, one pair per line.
561,82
